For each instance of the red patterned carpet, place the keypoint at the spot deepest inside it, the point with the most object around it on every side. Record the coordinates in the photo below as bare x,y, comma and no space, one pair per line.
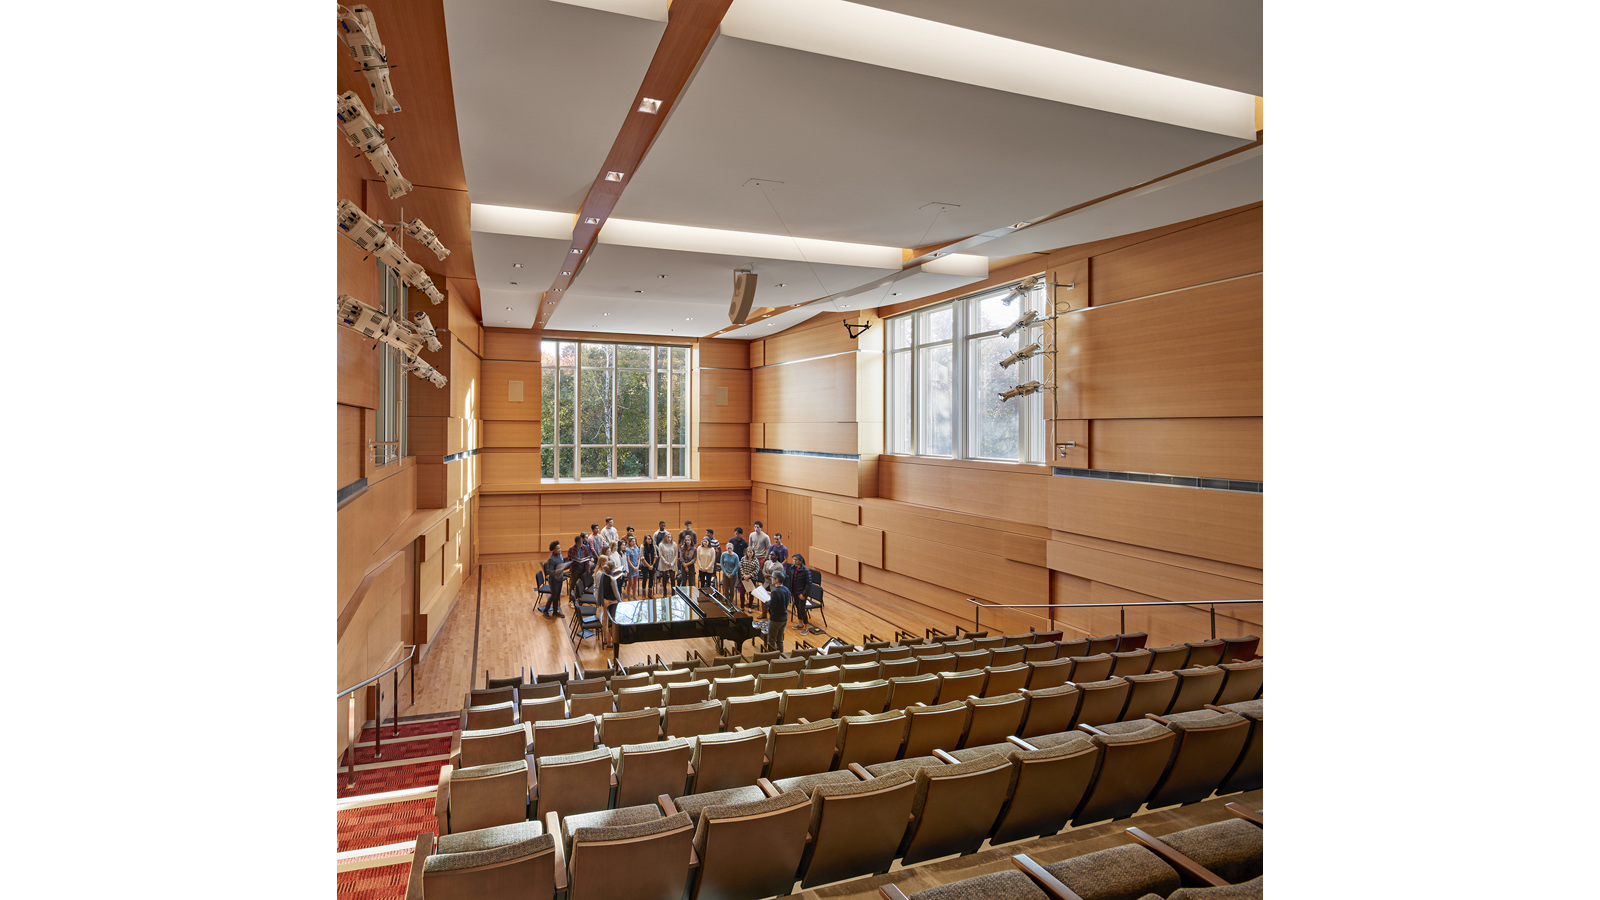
392,778
432,746
377,883
375,826
412,729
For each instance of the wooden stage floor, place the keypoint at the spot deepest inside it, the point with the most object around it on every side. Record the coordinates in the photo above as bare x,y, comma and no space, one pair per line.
501,632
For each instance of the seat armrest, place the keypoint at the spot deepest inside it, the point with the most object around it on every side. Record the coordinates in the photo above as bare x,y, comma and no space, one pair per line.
767,787
552,826
1020,742
887,892
668,808
945,756
1159,720
455,747
1253,816
419,856
1089,729
441,800
859,771
1046,882
533,777
1172,857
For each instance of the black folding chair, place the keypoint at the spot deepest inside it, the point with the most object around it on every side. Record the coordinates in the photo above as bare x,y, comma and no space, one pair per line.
814,597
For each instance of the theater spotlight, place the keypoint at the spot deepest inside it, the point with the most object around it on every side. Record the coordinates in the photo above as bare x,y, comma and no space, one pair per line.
415,366
360,35
1020,289
424,235
367,136
1025,353
1018,325
1031,387
368,234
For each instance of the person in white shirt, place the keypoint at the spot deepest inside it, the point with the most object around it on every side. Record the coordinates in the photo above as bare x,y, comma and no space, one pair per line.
609,533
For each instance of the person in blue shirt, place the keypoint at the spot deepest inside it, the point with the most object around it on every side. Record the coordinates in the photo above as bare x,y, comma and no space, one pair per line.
730,571
632,554
779,551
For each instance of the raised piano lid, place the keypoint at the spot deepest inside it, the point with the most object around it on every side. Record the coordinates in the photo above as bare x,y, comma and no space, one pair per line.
675,608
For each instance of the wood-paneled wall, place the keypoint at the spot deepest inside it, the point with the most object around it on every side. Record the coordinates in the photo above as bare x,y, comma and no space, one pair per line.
1161,374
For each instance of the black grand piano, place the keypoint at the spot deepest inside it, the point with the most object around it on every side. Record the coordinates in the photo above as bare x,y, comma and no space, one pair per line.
688,612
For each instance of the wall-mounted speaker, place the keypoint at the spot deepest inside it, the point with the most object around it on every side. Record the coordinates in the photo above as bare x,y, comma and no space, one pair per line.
744,297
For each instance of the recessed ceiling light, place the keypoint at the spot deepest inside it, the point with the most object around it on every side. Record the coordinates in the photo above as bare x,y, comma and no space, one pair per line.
605,314
638,292
650,106
690,319
574,250
940,253
566,273
782,284
516,265
1020,225
513,282
558,289
613,176
508,309
661,276
591,220
895,294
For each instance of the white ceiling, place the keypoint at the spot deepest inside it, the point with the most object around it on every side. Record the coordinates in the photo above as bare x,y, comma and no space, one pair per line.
542,87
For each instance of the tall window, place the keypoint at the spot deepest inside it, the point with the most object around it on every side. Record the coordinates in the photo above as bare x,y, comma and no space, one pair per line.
614,410
945,380
389,419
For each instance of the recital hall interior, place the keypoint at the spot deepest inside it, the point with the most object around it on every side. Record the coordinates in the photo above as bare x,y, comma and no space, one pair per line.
962,300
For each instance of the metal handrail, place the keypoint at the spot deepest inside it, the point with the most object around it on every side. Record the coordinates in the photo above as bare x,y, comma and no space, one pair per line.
377,725
1122,618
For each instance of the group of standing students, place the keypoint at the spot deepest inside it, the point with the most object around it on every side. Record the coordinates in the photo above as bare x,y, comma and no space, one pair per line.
616,565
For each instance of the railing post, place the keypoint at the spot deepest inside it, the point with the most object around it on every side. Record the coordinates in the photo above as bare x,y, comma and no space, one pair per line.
1122,619
1213,621
350,728
977,610
413,673
377,721
396,694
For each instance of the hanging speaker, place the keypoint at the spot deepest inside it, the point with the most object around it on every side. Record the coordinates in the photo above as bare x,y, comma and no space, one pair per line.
744,297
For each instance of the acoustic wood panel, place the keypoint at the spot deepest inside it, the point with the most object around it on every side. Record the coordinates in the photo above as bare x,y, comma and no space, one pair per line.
430,480
913,604
1196,352
725,465
737,384
508,433
433,538
510,343
992,490
849,513
461,299
497,376
904,518
817,390
829,476
724,353
812,437
732,434
758,354
510,529
849,568
1159,580
1075,432
351,437
1199,564
821,336
1071,283
509,466
368,520
356,369
822,560
1222,248
977,573
758,435
864,544
790,515
1221,525
1213,448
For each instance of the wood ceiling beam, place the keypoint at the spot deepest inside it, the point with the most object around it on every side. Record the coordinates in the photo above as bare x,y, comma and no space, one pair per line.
691,25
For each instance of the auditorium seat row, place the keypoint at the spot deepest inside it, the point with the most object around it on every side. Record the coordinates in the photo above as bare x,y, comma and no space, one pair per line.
1220,861
756,840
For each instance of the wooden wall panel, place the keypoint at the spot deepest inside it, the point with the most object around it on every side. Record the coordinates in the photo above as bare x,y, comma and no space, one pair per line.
819,337
737,384
1160,580
829,476
790,515
758,354
907,519
849,513
466,394
1076,274
511,434
812,437
758,435
725,465
497,377
447,212
991,490
817,390
822,560
367,521
430,485
510,529
1221,525
849,568
914,604
371,641
1196,352
357,368
733,434
509,466
979,574
724,353
1219,249
1213,448
352,443
865,544
464,326
510,344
